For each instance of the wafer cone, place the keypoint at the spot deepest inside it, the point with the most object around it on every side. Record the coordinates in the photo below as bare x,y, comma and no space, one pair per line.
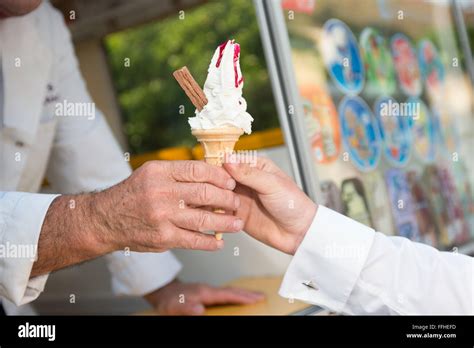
216,143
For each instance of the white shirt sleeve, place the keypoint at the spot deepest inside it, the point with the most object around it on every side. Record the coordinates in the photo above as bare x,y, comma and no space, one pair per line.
349,268
21,218
86,157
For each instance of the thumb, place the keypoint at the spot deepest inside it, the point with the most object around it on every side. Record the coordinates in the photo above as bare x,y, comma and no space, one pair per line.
255,177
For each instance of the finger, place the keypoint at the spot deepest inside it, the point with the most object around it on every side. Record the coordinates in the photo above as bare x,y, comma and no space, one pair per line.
255,177
218,234
186,308
186,239
201,220
202,194
197,171
229,295
214,296
249,293
262,163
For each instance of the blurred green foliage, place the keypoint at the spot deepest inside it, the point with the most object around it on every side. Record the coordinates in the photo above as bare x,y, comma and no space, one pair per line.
470,34
149,96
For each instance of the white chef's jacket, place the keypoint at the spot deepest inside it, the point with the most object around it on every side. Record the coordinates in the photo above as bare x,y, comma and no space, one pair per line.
349,268
76,153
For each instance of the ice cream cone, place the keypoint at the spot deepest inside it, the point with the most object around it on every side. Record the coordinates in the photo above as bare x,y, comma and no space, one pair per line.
216,143
213,125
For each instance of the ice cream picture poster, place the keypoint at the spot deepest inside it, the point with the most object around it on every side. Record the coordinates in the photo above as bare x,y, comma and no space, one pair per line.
378,201
457,228
464,188
322,123
402,204
354,201
406,65
432,68
307,6
331,196
394,132
447,135
423,131
425,218
341,56
360,135
431,183
378,63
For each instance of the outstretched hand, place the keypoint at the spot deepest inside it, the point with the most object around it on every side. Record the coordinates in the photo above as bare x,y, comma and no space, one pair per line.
179,298
275,211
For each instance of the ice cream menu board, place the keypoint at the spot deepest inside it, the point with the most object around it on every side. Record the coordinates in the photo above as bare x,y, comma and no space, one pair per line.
389,114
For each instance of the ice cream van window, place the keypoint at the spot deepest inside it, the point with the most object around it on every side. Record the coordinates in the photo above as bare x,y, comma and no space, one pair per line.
142,59
385,84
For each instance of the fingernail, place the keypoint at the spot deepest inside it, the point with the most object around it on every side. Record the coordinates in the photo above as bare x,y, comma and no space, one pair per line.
231,184
238,225
237,202
220,244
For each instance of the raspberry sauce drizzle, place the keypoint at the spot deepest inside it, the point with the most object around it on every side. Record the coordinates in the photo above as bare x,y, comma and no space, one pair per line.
236,59
221,53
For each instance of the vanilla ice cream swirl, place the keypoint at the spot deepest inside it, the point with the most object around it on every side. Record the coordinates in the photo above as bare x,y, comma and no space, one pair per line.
223,88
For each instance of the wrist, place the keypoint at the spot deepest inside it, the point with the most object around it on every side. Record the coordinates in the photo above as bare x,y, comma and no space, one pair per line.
309,218
101,232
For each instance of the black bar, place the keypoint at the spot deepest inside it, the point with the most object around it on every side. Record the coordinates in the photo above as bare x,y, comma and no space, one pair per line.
291,330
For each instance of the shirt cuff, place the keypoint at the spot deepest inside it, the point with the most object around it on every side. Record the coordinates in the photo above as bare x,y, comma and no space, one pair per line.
137,274
21,219
329,260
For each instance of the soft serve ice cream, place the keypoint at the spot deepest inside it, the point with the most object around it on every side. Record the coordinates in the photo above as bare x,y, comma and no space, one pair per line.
223,88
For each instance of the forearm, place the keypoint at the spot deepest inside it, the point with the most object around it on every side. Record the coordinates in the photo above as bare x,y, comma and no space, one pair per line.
72,232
